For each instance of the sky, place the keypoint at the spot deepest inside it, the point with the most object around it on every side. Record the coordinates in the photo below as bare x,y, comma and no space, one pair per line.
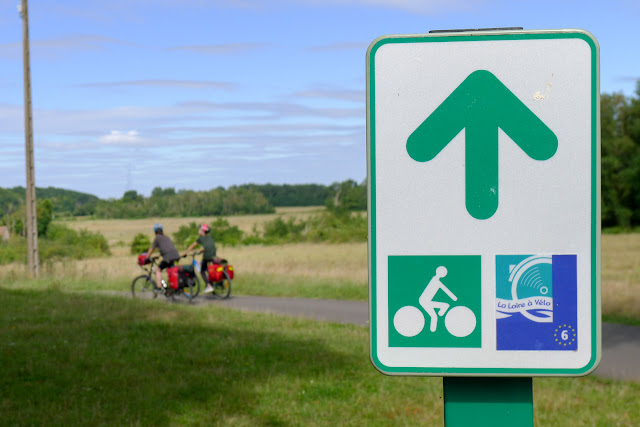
196,94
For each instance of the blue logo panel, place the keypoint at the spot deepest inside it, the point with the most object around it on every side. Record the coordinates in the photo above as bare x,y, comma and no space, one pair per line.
536,302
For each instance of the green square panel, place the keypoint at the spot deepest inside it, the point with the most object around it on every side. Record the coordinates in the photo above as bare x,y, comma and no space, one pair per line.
435,301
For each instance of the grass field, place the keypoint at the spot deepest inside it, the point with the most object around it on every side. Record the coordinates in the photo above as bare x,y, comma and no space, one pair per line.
621,278
79,358
336,271
120,232
87,359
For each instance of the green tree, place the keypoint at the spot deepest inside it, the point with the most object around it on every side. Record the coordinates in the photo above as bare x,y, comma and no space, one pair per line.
185,235
347,196
620,160
17,219
140,243
65,202
44,212
292,195
224,233
130,196
280,231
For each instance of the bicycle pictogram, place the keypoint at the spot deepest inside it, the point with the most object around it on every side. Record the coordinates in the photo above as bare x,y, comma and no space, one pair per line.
460,321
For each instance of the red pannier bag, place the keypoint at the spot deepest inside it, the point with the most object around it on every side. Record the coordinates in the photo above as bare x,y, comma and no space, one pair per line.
215,272
185,272
173,273
143,259
227,267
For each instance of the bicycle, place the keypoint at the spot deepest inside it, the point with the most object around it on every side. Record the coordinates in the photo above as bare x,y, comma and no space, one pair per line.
146,282
196,269
459,320
222,287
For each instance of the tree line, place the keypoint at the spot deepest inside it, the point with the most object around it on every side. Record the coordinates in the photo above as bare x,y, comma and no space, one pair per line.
167,202
620,122
236,200
64,202
292,195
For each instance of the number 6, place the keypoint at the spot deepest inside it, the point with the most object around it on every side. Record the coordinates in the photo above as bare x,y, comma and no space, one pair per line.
564,335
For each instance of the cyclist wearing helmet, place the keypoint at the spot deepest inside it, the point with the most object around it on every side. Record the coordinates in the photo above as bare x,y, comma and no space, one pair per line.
168,251
208,253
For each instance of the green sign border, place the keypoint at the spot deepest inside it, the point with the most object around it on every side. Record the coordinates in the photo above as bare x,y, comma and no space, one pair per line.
595,199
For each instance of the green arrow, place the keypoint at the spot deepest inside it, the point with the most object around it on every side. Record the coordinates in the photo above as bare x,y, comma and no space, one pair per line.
481,105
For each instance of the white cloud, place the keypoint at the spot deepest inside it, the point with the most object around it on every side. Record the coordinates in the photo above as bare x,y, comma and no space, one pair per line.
422,6
216,49
259,141
418,6
55,47
118,137
631,79
91,123
358,46
339,94
277,153
183,84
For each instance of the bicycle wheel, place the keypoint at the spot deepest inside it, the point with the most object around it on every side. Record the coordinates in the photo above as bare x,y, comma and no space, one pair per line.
143,285
222,289
196,286
192,289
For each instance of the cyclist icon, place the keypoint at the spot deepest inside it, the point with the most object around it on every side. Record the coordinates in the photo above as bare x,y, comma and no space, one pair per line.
460,321
426,299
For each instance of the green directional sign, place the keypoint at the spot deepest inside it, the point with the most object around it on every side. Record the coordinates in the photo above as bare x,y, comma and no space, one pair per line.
483,171
481,105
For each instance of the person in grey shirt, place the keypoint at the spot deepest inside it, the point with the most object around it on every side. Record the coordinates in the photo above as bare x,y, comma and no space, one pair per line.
169,255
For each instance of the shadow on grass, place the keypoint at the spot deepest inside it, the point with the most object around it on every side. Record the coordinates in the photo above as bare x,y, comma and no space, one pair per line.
85,359
71,359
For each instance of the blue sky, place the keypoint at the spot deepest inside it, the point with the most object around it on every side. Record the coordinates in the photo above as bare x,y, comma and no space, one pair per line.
195,94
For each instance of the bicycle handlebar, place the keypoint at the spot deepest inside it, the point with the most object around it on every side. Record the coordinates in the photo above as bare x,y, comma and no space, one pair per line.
151,260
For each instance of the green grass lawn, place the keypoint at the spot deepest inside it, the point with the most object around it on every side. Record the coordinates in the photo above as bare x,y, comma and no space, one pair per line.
88,359
272,285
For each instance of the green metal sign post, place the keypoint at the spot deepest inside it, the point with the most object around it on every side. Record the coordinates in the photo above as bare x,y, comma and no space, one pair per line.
494,402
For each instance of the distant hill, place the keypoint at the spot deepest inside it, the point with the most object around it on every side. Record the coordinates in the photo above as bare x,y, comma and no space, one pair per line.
242,199
65,202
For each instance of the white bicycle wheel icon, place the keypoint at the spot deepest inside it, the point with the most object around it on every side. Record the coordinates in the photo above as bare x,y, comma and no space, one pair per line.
459,321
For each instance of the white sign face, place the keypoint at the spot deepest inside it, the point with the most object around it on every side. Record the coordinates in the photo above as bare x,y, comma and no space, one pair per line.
484,203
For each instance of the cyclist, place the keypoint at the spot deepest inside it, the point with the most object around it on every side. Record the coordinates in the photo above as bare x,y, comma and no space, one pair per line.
426,299
208,253
169,255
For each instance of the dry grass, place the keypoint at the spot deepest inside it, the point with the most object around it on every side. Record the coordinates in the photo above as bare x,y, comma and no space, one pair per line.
336,262
346,261
621,275
120,232
114,268
341,261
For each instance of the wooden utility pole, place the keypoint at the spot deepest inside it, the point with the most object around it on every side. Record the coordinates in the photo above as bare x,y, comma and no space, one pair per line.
32,219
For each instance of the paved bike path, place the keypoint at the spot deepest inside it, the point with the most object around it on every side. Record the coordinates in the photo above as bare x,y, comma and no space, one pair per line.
620,343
